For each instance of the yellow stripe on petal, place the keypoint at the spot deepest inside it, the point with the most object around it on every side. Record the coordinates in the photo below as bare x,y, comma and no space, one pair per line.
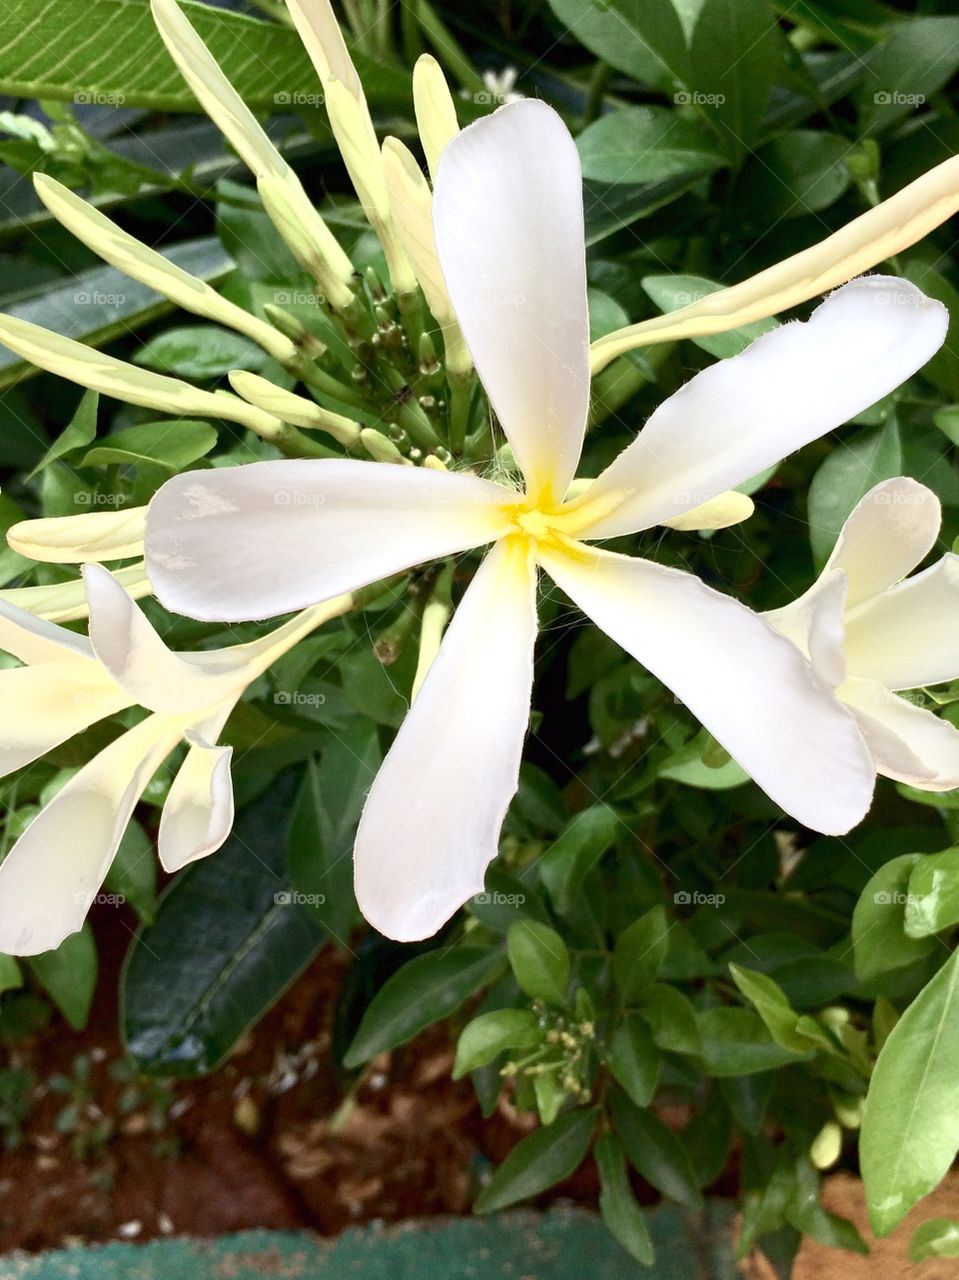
67,601
718,513
136,260
93,537
100,372
862,244
435,109
230,113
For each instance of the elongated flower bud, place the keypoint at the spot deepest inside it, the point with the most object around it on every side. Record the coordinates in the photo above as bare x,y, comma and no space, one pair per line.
142,263
67,601
100,372
88,538
292,408
412,204
435,109
230,113
859,246
380,448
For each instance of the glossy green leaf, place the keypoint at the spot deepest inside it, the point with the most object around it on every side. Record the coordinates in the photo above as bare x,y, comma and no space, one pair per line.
655,1152
200,351
646,144
172,444
540,960
879,938
77,434
539,1161
910,1125
69,975
646,41
489,1035
11,976
785,1025
566,864
735,54
617,1204
133,872
914,61
634,1060
932,894
671,1019
936,1238
639,954
736,1042
425,990
227,941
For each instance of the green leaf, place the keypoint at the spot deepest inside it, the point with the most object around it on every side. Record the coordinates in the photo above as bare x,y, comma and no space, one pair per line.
200,351
799,172
10,974
77,434
98,305
655,1152
539,958
735,55
172,444
915,60
879,938
133,872
932,897
617,1204
227,941
936,1238
674,291
846,476
646,145
633,1059
770,1002
646,41
425,990
943,369
489,1035
541,1160
910,1125
69,975
323,826
67,50
566,864
639,954
736,1042
671,1018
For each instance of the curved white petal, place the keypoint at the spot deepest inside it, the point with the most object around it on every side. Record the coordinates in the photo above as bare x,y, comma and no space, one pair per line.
814,623
751,688
259,540
431,824
198,814
52,874
42,706
787,388
92,537
909,636
508,216
885,536
35,640
908,742
130,649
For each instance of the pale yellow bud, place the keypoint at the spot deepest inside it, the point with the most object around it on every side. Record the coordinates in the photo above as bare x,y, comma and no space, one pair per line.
826,1146
718,513
435,109
292,408
305,234
380,448
67,601
89,538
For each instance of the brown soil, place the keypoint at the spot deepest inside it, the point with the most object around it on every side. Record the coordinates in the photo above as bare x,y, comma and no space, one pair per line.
269,1140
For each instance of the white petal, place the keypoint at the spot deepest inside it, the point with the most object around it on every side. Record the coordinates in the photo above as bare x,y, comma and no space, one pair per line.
259,540
130,649
508,215
814,623
35,640
431,824
909,636
886,535
908,742
198,814
787,388
88,538
727,509
53,872
42,706
750,687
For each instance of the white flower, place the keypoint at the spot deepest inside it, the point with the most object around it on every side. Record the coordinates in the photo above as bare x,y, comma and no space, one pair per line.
873,633
52,874
258,540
